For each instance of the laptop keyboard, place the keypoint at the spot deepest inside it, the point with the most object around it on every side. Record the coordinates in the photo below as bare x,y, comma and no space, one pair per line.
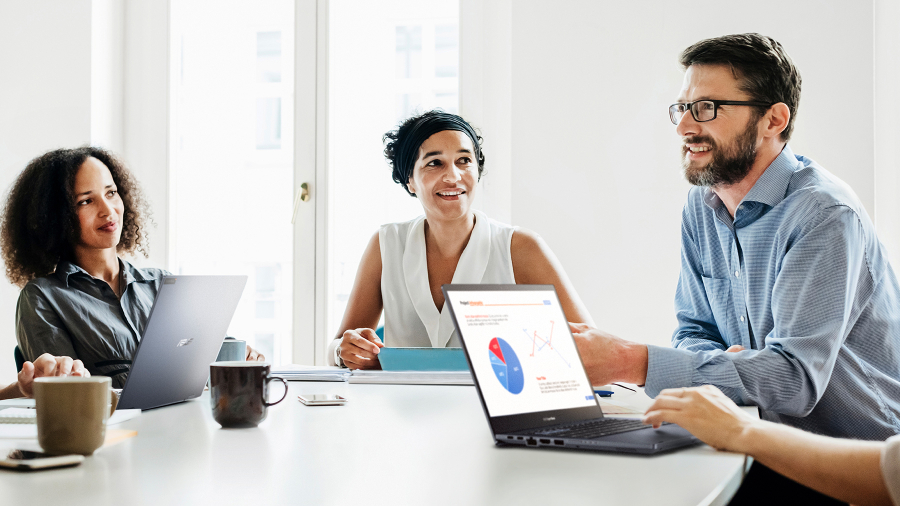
595,428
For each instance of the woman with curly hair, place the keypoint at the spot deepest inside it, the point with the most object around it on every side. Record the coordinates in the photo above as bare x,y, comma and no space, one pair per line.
437,158
69,216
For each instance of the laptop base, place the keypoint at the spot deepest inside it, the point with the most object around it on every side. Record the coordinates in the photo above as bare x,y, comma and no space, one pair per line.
663,439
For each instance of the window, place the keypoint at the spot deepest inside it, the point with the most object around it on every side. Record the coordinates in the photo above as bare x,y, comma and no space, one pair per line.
268,123
231,176
388,60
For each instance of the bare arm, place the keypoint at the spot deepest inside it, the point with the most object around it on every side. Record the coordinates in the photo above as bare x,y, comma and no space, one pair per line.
359,343
846,469
11,391
535,264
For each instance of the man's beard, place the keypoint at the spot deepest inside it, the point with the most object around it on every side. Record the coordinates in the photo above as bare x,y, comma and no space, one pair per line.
728,165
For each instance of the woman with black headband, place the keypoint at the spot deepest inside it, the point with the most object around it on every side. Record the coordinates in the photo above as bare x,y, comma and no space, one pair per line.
437,158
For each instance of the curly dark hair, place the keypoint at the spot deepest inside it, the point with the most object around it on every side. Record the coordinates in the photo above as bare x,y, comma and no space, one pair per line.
40,227
402,145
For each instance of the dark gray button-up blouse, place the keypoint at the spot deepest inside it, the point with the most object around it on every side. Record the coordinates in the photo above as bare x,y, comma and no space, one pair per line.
70,313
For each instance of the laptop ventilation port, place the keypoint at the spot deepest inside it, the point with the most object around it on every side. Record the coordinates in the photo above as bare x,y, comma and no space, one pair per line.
531,442
545,441
558,442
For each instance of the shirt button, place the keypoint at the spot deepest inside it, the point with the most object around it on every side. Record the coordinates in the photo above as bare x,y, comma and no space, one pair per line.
740,207
737,274
742,318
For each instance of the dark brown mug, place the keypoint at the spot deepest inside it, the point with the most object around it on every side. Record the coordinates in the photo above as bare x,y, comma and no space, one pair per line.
239,392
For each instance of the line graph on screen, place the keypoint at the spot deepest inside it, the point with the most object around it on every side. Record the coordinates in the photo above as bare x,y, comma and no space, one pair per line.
542,343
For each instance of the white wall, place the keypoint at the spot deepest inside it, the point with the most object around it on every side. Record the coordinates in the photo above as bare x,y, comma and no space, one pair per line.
485,80
65,84
107,79
887,125
146,114
45,103
595,158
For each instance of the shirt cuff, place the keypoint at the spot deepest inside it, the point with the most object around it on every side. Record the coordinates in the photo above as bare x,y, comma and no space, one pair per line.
329,353
668,368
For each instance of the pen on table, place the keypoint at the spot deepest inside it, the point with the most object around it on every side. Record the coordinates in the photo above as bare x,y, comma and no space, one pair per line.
623,386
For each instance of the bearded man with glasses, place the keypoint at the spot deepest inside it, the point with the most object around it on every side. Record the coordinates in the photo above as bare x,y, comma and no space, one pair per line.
786,299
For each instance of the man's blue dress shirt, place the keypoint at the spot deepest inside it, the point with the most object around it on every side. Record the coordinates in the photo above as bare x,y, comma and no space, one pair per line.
800,280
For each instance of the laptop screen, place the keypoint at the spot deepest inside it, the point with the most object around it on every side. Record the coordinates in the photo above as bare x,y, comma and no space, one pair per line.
521,351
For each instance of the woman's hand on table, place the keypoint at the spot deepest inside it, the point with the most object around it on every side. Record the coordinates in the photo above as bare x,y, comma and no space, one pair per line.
704,412
359,349
254,356
47,366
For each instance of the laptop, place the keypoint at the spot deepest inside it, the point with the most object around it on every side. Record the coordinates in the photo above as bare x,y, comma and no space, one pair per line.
530,379
187,325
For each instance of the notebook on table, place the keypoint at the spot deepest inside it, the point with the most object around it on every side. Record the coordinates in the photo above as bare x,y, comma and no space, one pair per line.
422,359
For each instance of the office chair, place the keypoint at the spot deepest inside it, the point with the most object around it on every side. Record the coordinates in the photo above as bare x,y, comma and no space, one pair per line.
20,359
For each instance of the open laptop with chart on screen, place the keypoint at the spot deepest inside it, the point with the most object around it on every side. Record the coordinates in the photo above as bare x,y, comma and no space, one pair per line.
529,375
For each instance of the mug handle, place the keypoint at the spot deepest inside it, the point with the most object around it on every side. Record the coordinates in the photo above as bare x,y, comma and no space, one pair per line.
270,378
113,401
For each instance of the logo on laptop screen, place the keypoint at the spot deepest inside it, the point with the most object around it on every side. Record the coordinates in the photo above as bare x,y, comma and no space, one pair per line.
184,342
506,365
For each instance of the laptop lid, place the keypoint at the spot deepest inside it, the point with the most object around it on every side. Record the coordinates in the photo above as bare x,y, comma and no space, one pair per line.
522,355
187,324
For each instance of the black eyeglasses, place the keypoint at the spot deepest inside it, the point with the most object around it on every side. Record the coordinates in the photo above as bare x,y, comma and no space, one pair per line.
705,110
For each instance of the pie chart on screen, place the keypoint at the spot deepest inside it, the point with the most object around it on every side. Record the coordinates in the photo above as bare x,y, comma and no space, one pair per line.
506,365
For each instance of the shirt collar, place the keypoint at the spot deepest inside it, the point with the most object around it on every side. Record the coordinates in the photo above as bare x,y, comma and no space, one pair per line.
133,273
770,188
772,185
65,268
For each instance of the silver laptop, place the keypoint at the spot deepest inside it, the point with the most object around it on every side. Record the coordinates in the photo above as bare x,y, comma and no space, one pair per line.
187,324
529,375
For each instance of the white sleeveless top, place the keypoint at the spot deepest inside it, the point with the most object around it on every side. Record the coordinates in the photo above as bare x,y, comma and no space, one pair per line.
410,316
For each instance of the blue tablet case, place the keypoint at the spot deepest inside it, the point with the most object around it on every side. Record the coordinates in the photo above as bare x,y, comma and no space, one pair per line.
423,359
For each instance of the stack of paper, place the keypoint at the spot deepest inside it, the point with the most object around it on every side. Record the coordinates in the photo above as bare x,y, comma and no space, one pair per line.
20,420
18,415
413,377
294,372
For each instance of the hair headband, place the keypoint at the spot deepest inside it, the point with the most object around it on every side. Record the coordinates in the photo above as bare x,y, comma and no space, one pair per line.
423,128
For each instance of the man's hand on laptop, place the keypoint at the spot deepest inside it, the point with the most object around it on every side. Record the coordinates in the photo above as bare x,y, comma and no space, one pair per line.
608,358
254,356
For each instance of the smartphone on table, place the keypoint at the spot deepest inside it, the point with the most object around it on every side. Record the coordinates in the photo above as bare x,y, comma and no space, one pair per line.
26,460
322,399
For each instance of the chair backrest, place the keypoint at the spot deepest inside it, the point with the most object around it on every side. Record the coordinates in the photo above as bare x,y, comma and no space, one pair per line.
20,359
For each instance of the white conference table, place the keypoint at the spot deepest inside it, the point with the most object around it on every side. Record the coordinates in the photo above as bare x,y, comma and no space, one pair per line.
391,444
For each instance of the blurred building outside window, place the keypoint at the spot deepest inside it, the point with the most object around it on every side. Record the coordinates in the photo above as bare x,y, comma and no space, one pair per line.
231,177
388,61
